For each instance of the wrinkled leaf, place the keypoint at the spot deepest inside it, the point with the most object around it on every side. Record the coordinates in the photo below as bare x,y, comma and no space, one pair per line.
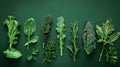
45,29
89,38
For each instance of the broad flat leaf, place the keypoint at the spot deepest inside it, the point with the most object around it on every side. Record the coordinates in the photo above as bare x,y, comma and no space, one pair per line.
89,38
12,53
29,27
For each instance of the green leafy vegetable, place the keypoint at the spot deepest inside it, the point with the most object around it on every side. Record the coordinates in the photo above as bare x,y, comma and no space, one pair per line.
29,29
33,55
50,52
106,36
60,29
89,38
13,31
112,55
74,48
12,53
46,27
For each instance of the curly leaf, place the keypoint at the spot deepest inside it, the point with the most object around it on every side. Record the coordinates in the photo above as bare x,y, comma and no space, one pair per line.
89,38
45,29
50,52
60,29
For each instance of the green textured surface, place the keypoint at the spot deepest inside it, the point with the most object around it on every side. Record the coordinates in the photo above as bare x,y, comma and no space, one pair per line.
80,10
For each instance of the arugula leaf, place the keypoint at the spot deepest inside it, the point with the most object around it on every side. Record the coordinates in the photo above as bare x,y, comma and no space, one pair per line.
74,48
29,29
33,55
106,35
50,52
46,27
12,25
89,38
112,55
60,29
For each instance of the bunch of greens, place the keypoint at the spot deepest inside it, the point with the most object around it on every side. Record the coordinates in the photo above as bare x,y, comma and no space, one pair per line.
46,27
89,38
50,52
107,36
74,48
29,29
13,31
32,56
60,29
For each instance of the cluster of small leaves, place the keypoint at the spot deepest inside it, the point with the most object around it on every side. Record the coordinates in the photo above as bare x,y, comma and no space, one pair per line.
89,38
29,29
45,29
32,56
60,30
50,52
112,55
13,31
107,36
74,48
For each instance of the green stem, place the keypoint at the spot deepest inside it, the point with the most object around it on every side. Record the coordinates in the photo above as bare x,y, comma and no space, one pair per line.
28,42
103,48
74,58
61,46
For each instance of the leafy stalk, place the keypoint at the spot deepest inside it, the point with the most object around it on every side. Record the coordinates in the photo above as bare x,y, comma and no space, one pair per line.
89,38
12,25
46,27
29,29
32,56
74,48
60,29
50,52
106,36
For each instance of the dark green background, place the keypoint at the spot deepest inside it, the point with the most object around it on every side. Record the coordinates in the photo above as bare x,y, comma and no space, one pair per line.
80,10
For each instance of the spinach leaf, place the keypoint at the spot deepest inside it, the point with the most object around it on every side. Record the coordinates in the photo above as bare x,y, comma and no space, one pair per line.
12,25
89,38
29,29
60,30
45,29
74,48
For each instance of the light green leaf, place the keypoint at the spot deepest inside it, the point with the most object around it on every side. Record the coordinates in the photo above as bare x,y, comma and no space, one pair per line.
12,53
